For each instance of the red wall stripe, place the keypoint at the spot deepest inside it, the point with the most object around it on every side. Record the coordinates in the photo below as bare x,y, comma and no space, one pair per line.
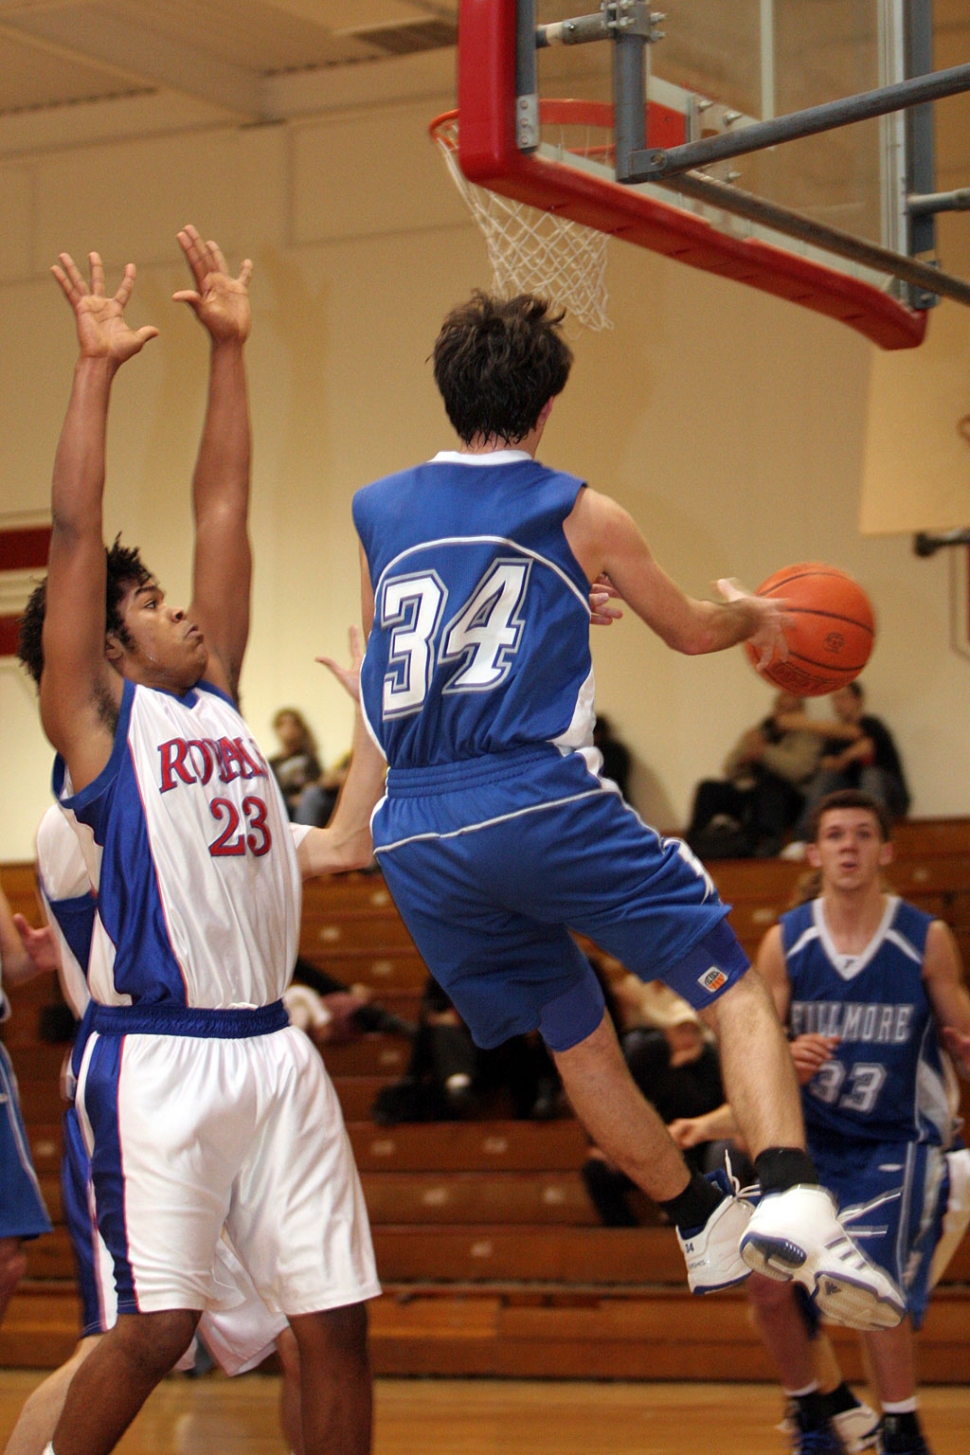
8,635
22,547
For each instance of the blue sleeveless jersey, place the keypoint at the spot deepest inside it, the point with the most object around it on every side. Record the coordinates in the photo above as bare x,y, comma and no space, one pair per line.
480,641
885,1081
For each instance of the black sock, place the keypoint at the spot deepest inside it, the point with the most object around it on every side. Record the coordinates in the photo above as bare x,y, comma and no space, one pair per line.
900,1432
810,1411
837,1401
779,1168
690,1209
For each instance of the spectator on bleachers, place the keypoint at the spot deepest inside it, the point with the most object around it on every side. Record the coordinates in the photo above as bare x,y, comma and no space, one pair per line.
858,752
317,801
297,766
449,1078
333,1013
675,1064
759,799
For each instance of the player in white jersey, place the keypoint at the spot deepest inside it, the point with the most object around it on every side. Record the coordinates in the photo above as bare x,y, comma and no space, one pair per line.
245,1332
200,1106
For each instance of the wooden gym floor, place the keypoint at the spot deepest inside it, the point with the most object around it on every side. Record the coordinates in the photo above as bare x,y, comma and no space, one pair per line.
491,1417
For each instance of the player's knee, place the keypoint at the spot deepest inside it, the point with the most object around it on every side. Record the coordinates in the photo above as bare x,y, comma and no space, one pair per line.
154,1342
335,1333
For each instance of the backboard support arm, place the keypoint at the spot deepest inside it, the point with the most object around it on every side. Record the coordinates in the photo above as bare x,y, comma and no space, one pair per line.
743,204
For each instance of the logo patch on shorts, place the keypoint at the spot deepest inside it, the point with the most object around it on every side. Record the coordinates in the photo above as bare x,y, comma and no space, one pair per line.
713,979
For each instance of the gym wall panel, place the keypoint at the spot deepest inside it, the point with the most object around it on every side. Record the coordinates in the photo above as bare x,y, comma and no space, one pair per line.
372,172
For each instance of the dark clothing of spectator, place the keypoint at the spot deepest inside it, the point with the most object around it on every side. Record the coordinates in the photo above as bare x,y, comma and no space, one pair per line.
882,777
751,809
293,773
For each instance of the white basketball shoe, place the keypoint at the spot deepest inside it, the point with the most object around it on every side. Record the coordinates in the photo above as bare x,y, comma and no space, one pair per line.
796,1235
712,1253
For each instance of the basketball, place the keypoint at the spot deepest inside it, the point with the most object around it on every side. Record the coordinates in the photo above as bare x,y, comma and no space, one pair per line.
832,632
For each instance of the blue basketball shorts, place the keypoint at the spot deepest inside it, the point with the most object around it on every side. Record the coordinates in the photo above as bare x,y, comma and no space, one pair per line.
892,1198
493,861
22,1210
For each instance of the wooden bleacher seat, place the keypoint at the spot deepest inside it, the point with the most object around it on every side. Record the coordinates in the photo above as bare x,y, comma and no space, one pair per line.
488,1248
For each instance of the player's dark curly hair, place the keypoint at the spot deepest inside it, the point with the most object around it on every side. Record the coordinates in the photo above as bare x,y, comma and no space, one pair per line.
125,569
497,362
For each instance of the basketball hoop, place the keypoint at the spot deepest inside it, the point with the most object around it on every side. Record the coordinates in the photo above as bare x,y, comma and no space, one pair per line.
531,251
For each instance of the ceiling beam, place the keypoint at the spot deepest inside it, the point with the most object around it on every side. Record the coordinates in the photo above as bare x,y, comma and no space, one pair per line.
144,55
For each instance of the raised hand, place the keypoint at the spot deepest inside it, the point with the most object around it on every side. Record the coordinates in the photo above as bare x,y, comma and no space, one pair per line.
348,677
219,301
770,618
102,331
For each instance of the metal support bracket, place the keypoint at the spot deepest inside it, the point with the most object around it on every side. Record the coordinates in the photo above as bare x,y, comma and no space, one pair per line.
956,201
614,18
655,165
927,543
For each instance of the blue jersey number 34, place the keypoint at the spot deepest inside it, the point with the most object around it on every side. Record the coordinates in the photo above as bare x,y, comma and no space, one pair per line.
480,639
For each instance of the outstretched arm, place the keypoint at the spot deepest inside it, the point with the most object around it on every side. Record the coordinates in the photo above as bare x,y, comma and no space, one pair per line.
79,691
222,567
346,841
604,538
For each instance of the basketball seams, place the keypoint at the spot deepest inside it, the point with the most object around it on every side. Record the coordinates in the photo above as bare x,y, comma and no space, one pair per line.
830,615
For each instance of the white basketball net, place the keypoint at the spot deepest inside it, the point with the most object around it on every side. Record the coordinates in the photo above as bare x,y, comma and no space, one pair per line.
535,252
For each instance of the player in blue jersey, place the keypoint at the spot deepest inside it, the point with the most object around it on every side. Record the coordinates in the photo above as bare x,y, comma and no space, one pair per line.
200,1106
871,990
22,1211
497,836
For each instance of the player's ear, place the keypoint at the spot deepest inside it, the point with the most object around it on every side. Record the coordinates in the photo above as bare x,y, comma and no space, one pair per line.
887,852
113,649
545,411
813,856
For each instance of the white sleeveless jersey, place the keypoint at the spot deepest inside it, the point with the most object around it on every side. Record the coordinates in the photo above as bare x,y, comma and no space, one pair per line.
188,847
69,901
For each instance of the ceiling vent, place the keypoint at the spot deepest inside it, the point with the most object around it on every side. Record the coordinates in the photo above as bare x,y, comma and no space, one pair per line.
433,34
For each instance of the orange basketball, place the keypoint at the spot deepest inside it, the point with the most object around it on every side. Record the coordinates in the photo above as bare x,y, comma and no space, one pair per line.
832,634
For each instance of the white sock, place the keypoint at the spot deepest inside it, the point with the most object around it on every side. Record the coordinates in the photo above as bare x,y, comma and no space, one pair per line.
900,1406
48,1450
800,1393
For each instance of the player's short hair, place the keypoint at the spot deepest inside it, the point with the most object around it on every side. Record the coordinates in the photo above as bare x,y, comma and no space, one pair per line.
849,798
125,569
497,362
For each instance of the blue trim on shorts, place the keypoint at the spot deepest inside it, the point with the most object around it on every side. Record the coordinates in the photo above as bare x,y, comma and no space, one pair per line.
75,1181
175,1020
890,1203
101,1089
